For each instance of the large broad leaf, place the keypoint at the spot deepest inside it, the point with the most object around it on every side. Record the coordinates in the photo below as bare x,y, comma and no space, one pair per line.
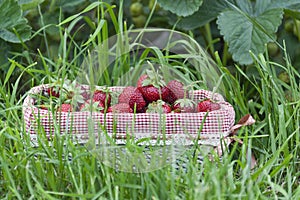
291,7
10,12
246,32
245,26
287,4
20,32
13,27
208,11
181,7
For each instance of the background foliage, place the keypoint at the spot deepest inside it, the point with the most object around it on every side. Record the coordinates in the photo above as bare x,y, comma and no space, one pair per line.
233,28
43,39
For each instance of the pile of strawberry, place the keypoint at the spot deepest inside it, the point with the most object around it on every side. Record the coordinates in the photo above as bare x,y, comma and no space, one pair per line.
148,98
72,97
150,95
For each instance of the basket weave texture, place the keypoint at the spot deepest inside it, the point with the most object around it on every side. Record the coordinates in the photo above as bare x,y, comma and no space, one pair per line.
208,127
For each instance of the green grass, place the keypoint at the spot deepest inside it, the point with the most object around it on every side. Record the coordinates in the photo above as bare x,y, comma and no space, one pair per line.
46,172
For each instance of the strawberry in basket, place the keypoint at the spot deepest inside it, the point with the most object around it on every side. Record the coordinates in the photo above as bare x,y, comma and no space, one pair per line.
120,108
137,102
94,106
159,106
103,96
65,107
177,90
153,88
207,105
53,92
184,106
64,96
124,97
76,97
151,85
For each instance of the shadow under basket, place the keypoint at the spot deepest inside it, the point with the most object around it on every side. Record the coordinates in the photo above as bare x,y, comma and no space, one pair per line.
145,130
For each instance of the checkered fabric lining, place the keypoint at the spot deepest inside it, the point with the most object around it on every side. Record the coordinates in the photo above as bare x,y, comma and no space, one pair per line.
217,124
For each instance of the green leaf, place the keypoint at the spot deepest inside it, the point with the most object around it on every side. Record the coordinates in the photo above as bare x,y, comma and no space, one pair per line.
208,11
293,14
286,4
4,51
21,31
261,6
9,73
87,9
10,12
13,27
29,4
96,33
292,7
244,5
249,31
181,7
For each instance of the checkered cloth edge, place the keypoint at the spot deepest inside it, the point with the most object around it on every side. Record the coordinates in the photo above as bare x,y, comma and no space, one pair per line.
217,124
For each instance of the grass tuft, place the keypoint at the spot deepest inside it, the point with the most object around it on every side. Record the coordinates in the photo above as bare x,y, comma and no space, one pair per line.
66,170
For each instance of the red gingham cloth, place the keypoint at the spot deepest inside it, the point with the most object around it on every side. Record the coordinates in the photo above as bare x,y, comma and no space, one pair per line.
217,124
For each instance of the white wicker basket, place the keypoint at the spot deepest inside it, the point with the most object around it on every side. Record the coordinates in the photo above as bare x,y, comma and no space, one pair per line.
215,125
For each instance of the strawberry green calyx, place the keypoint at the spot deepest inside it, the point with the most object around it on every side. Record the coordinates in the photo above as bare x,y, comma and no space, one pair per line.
94,106
141,79
153,77
53,92
66,90
74,92
158,106
184,106
151,85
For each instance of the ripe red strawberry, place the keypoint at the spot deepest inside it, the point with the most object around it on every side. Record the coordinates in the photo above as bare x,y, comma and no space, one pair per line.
150,93
137,100
177,88
120,108
102,96
141,79
65,107
166,108
97,106
184,106
207,106
150,85
53,91
159,107
125,95
167,95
